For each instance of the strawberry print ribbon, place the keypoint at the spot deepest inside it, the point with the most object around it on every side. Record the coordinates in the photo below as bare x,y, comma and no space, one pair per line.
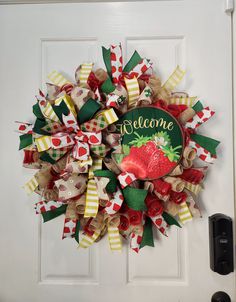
200,118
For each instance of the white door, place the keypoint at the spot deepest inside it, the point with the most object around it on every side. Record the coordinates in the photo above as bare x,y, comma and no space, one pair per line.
36,265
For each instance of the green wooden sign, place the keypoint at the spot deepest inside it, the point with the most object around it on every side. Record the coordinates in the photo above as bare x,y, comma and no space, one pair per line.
152,142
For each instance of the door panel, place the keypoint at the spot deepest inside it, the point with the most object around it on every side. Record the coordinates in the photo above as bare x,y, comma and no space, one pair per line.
37,39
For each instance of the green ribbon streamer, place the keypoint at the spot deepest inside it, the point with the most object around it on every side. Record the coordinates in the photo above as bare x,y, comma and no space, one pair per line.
135,198
112,185
46,157
170,220
107,86
87,111
49,215
133,61
198,107
106,53
77,231
61,109
207,143
37,111
147,234
25,140
38,125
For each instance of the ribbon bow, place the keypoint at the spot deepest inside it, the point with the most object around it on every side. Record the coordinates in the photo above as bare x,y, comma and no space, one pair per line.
79,140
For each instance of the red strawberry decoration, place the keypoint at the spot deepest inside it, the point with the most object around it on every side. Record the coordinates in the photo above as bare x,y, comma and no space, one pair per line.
134,165
82,151
162,162
93,139
68,139
70,122
22,127
158,221
148,160
56,142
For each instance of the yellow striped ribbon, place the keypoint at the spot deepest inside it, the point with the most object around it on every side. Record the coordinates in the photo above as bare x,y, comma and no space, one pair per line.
87,162
97,165
114,239
49,113
133,90
109,116
196,189
57,79
87,241
91,201
67,99
43,143
31,185
85,70
174,79
188,101
184,213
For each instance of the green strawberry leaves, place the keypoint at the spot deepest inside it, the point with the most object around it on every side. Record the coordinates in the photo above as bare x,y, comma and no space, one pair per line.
171,153
140,140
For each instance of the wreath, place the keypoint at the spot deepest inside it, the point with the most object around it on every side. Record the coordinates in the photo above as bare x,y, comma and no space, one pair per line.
117,151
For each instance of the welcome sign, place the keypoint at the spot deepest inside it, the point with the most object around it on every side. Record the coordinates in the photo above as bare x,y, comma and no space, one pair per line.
152,142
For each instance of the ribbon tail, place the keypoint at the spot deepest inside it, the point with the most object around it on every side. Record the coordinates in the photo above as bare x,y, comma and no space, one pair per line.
184,213
114,238
91,202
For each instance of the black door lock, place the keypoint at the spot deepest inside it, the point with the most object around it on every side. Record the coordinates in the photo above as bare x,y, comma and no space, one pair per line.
220,297
221,244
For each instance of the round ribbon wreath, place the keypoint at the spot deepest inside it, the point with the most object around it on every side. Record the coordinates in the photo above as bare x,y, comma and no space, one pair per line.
89,168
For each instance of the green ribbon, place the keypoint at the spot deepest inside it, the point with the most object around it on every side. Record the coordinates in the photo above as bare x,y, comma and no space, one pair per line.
37,111
25,141
198,107
135,198
60,110
108,87
133,61
87,111
112,185
49,215
106,53
38,125
46,157
207,143
170,220
147,234
77,228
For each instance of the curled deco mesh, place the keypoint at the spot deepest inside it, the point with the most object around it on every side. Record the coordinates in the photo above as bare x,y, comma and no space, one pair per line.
100,185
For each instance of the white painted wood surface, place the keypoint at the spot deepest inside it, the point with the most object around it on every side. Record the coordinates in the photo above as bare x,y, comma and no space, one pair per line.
36,265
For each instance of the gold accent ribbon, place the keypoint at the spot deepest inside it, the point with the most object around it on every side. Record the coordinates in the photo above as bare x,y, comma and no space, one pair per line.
193,188
87,241
188,101
132,86
67,99
184,213
91,203
43,143
174,79
57,78
31,185
109,116
85,70
114,238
